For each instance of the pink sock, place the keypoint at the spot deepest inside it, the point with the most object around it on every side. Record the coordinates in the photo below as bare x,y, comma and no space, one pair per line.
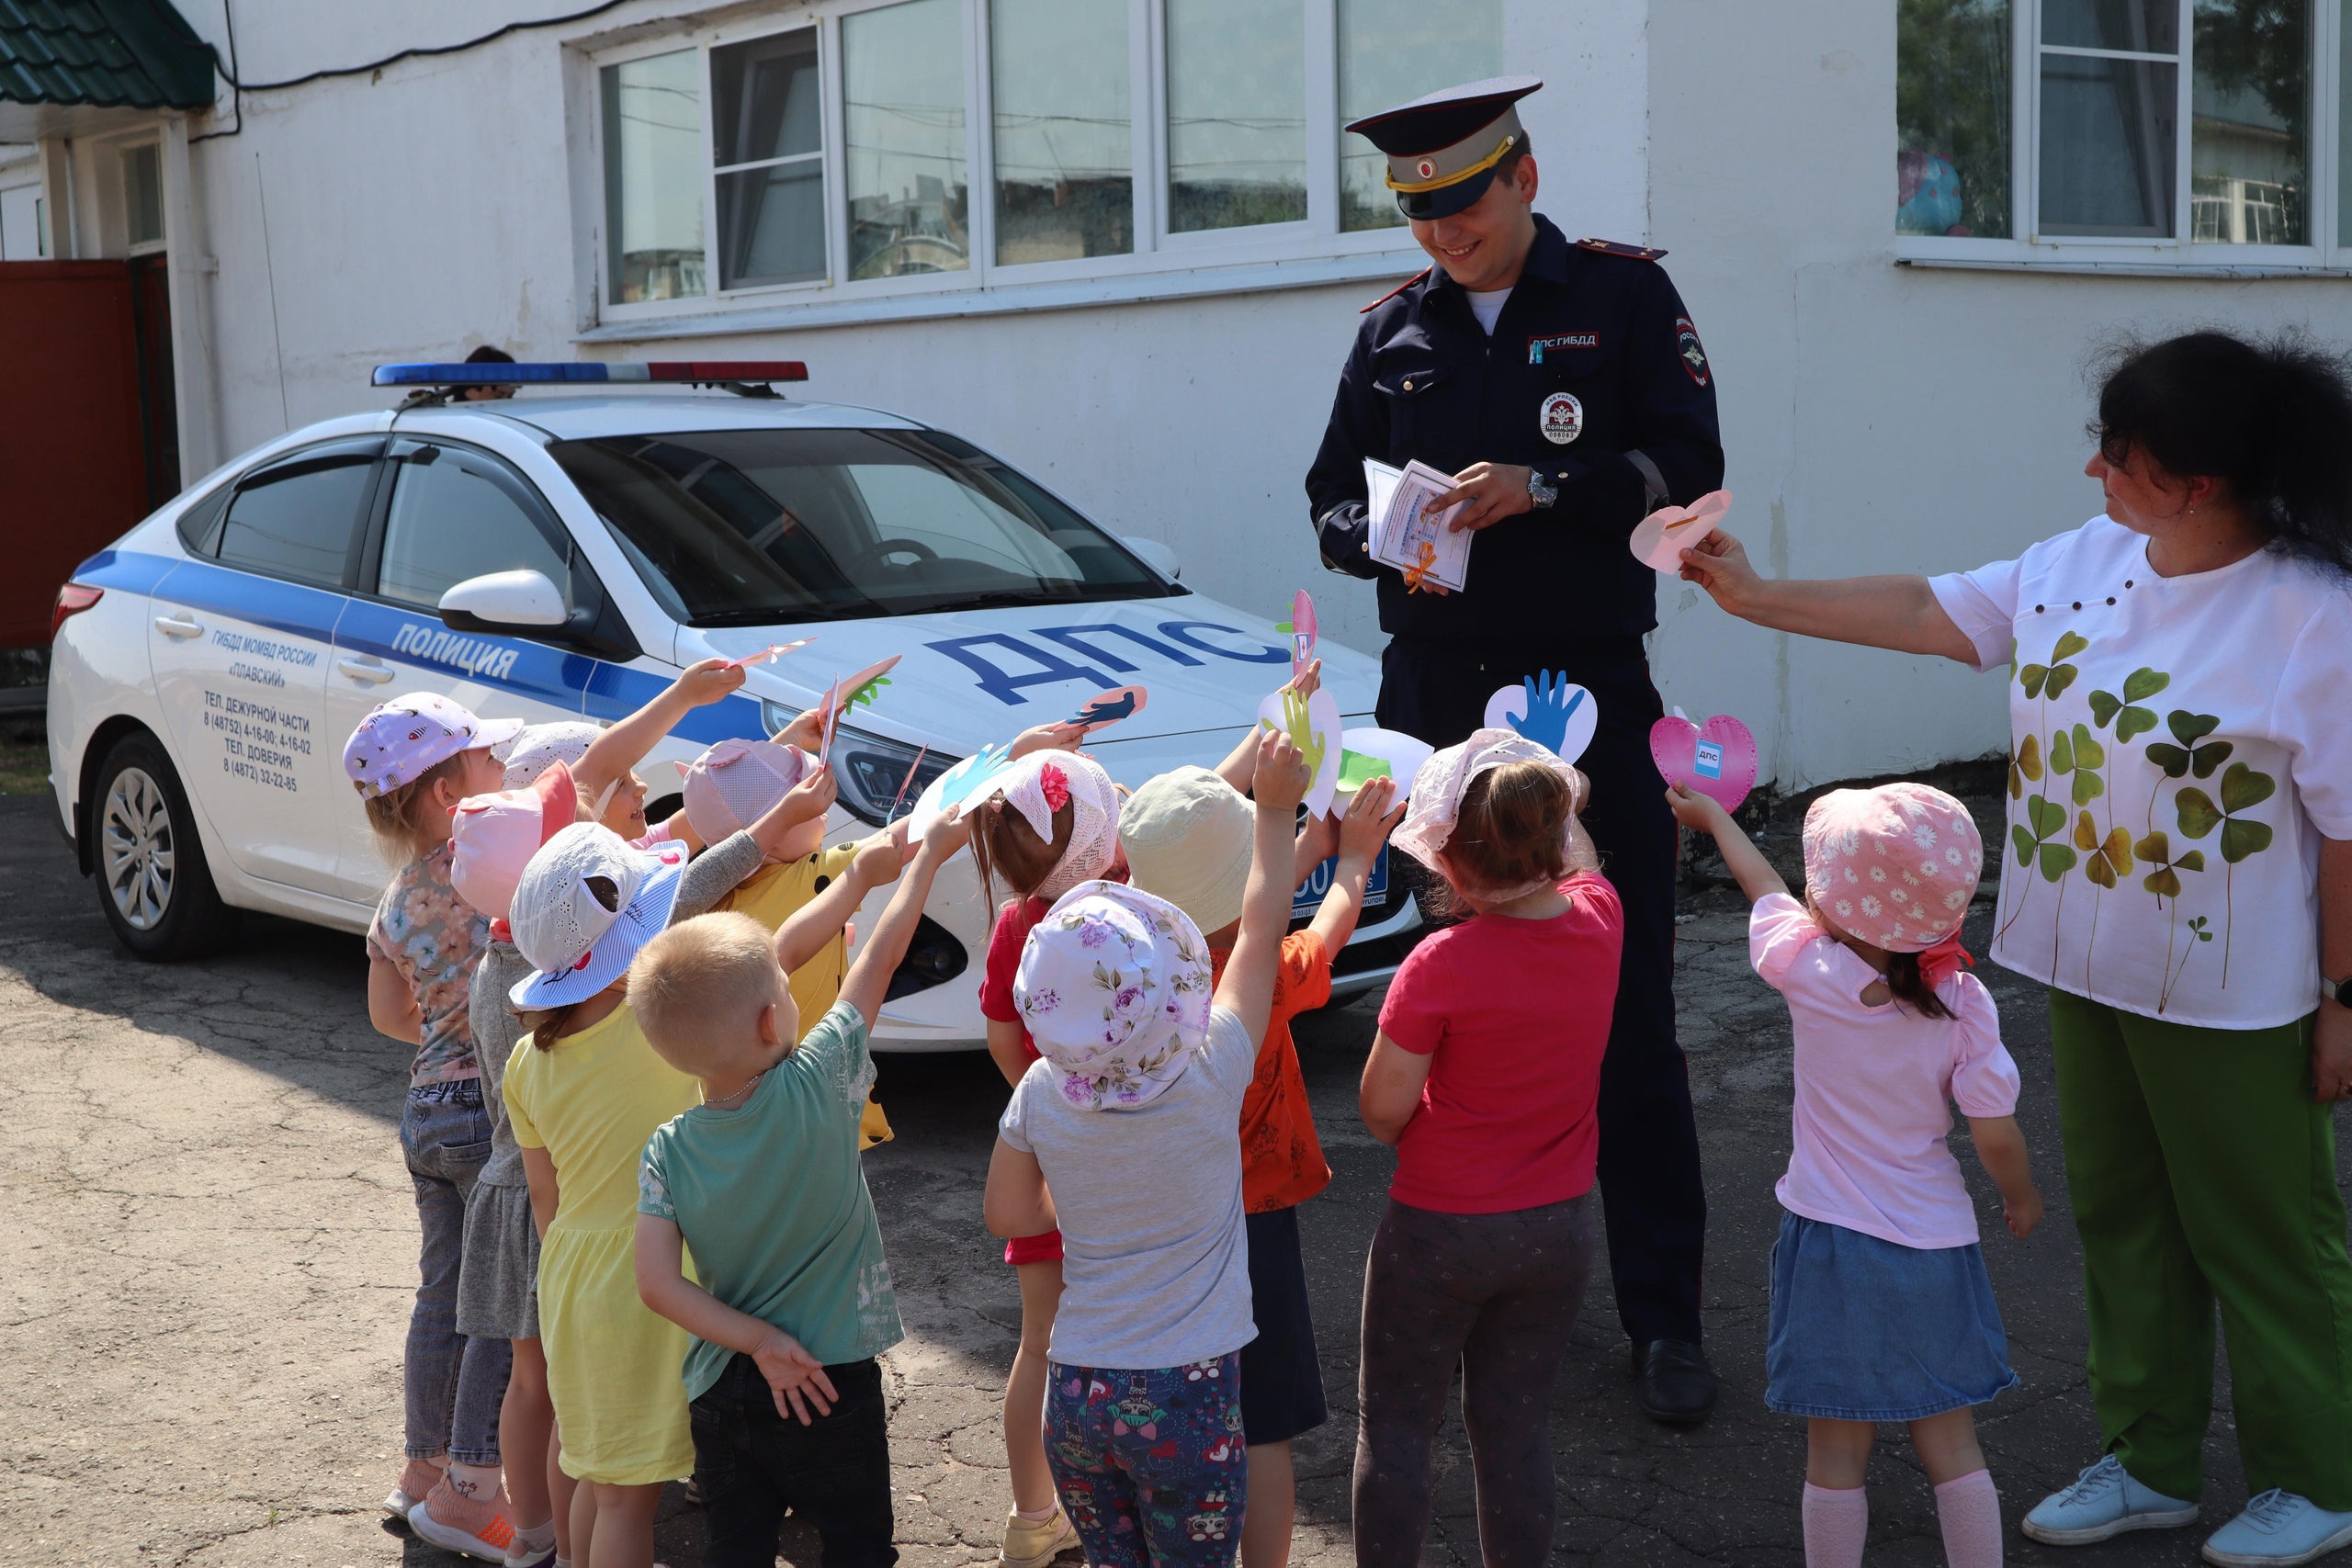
1836,1524
1970,1513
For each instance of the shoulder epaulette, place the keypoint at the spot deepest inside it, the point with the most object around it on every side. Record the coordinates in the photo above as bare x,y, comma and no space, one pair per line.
1619,248
1400,289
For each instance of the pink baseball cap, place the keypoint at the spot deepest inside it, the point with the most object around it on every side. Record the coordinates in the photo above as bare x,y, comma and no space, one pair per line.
1895,865
400,740
736,782
496,834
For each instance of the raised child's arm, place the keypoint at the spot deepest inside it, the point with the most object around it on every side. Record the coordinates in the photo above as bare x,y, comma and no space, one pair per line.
2000,1146
1240,764
794,1375
1247,989
869,976
1366,828
807,929
622,747
1703,813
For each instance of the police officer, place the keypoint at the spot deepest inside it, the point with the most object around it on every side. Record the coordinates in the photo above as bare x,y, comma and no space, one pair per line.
1563,387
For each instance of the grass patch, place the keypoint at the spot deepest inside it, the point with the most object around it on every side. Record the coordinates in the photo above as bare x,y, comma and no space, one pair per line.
24,766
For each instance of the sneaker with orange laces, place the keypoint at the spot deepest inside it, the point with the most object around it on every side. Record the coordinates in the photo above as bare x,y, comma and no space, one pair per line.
418,1477
478,1527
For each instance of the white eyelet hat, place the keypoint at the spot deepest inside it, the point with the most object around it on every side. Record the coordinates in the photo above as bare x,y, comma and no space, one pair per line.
493,838
400,740
586,905
736,782
541,746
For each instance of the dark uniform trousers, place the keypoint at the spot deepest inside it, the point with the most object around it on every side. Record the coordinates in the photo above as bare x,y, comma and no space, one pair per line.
1593,377
1653,1197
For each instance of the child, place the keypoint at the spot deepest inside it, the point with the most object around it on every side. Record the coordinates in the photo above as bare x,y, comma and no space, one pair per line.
1484,1077
1133,1117
584,1092
1882,1310
795,1300
1052,824
412,759
496,837
1188,836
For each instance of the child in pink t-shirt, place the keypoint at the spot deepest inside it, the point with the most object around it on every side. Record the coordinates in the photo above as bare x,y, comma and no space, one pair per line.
1882,1310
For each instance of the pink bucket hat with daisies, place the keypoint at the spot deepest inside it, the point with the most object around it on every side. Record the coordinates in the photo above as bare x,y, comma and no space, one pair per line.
400,741
1894,866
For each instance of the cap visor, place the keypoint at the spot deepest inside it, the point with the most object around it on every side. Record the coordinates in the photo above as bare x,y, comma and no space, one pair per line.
498,735
1423,206
644,919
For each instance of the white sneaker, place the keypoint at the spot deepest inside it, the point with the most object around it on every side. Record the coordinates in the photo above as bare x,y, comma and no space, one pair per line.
2104,1502
2278,1530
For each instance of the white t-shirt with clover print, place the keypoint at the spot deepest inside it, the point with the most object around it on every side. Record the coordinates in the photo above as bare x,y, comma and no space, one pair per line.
2178,748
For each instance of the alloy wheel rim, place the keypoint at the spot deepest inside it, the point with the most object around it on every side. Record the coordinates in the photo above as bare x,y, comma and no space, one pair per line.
136,848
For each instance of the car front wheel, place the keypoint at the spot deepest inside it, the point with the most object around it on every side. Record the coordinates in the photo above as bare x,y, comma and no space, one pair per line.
153,884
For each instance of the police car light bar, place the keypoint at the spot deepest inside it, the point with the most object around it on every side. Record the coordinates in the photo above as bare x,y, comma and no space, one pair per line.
492,373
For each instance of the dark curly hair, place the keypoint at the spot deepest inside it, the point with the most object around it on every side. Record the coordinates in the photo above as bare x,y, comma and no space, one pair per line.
2271,418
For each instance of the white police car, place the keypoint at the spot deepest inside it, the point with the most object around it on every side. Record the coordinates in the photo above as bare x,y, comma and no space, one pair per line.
208,665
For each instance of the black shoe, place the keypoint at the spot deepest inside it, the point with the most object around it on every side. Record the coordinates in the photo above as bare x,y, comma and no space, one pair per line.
1678,1386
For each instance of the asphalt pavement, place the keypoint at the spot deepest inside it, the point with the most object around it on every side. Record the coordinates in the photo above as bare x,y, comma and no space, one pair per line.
207,1243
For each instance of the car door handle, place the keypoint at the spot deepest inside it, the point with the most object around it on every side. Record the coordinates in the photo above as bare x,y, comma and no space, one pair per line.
365,669
179,625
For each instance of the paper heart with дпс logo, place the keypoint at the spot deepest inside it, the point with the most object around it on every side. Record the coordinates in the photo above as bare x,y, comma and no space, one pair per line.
1717,758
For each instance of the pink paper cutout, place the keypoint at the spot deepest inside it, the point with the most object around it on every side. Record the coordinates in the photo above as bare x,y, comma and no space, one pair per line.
773,651
1660,538
1106,709
1302,633
1716,758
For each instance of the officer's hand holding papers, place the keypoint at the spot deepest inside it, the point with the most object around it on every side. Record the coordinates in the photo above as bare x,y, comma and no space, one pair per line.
1407,532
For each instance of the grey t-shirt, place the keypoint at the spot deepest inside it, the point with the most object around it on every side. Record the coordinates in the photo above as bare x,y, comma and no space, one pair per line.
1155,1260
710,876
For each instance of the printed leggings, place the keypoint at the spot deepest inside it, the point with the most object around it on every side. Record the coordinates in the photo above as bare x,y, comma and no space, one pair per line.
1151,1465
1495,1293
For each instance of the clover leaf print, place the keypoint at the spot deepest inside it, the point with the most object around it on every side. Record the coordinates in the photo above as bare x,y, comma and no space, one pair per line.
2129,719
2164,881
2050,680
2105,861
2038,846
2179,761
2026,767
2242,790
2046,819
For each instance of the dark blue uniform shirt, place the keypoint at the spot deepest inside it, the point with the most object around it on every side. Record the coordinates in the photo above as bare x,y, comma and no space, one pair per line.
1604,326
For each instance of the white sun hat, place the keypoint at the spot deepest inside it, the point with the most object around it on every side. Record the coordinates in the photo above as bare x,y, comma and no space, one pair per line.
541,746
586,905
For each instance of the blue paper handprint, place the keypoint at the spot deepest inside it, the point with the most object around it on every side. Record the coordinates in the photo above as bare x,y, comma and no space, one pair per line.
1552,701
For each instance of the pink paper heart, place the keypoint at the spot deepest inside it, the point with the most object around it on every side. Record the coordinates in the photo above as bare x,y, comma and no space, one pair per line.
1717,758
1660,538
1302,632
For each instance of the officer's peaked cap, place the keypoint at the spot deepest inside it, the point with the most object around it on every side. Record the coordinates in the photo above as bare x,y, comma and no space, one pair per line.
1442,148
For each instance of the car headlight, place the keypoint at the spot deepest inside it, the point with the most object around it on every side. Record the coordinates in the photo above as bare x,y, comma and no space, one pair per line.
869,769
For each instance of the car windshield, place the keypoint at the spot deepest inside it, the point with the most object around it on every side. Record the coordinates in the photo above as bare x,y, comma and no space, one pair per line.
743,527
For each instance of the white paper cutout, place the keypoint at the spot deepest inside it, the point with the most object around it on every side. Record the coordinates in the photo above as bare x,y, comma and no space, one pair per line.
1556,714
1322,718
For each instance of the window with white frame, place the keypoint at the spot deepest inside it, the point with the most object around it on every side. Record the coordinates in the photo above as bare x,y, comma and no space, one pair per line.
946,144
2143,130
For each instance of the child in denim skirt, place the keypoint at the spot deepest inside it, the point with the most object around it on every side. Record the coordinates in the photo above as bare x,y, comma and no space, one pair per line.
1882,1310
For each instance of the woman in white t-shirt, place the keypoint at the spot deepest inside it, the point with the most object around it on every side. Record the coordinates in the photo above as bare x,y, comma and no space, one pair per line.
2179,871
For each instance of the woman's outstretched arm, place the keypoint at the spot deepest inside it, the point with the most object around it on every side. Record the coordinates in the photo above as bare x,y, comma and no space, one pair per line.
1900,613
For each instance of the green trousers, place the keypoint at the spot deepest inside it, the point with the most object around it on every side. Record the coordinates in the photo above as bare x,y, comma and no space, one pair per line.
2202,1172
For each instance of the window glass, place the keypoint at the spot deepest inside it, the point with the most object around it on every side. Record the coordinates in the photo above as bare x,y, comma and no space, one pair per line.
451,519
142,194
1392,51
1952,115
1064,161
1237,113
902,92
750,527
2250,132
2110,121
295,520
768,145
653,178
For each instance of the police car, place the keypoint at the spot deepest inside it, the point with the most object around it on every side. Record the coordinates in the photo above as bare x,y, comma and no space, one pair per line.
563,554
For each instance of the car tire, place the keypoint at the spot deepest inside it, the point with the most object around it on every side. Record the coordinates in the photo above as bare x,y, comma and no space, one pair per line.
154,886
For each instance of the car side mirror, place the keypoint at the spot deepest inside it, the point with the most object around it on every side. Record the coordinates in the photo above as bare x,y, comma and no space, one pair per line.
1157,556
503,601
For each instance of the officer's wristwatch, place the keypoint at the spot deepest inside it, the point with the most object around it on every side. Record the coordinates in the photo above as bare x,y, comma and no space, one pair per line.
1540,490
2336,991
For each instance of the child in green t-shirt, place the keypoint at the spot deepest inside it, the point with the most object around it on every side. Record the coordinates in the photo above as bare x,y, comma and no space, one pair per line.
763,1182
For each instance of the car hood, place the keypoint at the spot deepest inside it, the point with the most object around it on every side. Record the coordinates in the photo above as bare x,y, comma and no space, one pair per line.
968,678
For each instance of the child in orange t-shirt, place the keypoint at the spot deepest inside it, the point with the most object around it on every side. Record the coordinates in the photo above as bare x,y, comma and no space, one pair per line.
1187,836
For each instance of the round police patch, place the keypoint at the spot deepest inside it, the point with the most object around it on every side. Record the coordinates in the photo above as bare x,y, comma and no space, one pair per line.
1563,418
1686,343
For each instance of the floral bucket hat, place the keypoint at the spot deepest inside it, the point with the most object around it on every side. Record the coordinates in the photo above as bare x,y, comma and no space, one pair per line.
1114,986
